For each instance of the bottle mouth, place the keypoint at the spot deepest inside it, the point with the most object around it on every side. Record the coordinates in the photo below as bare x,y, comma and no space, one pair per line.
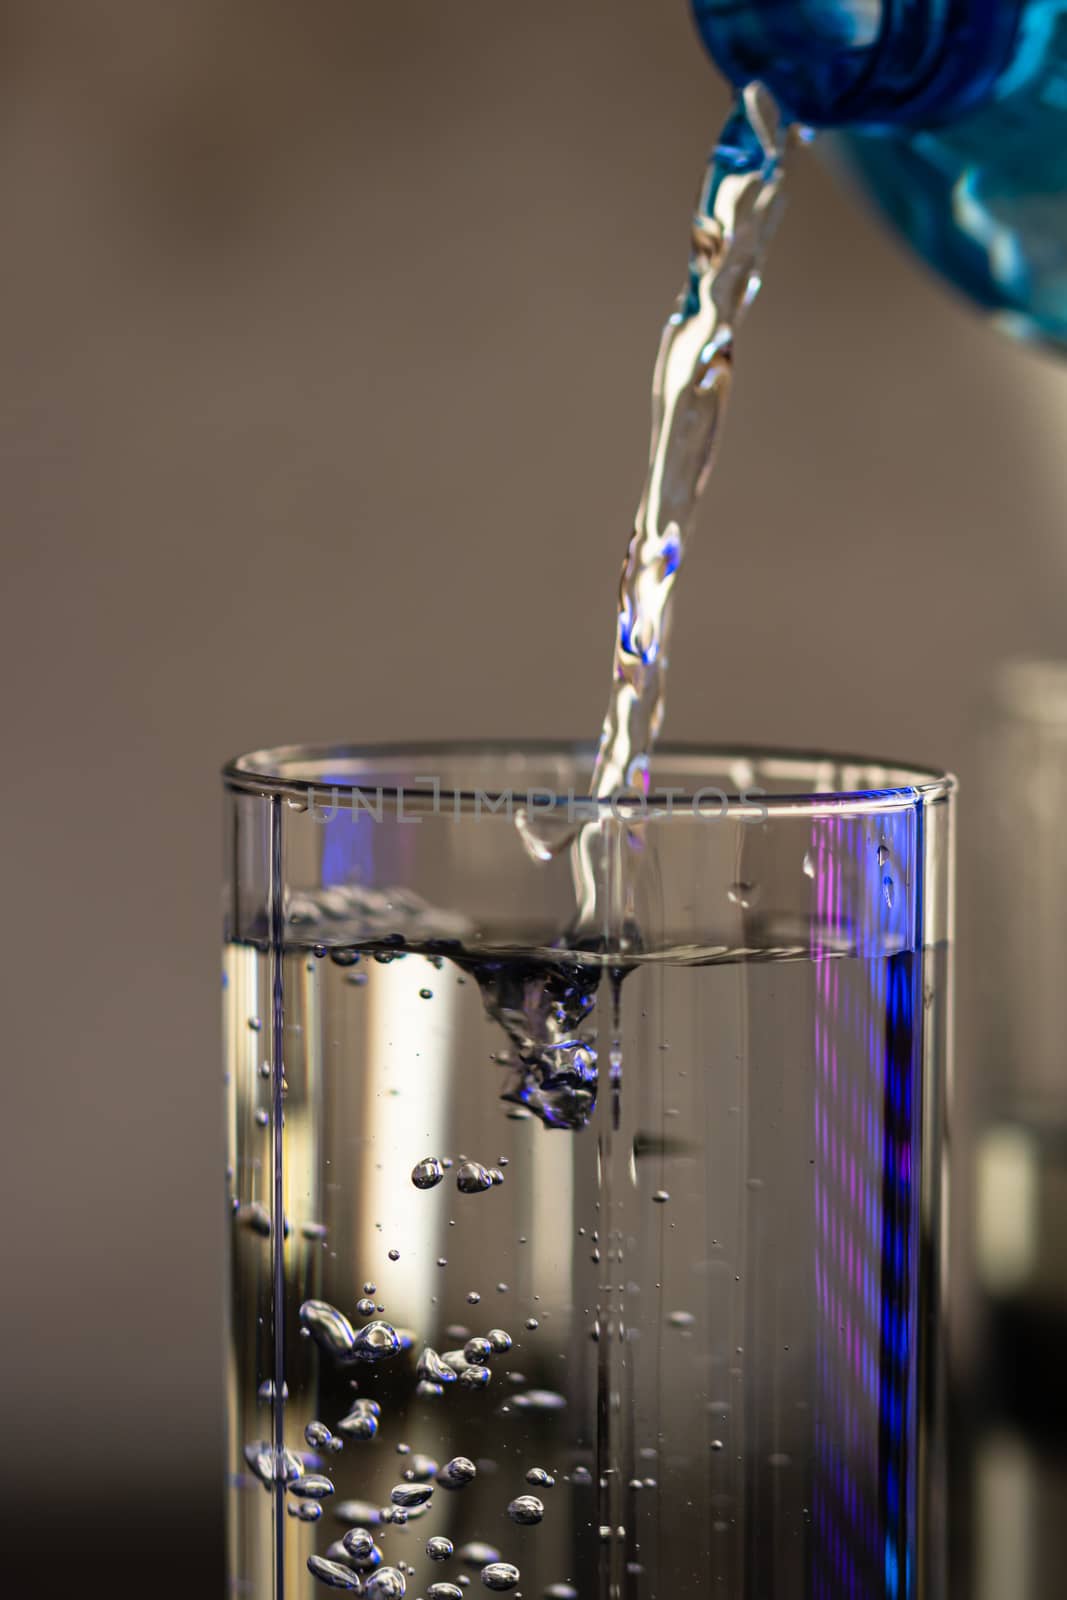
863,63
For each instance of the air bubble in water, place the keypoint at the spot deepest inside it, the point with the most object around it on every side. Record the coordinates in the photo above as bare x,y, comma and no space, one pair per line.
444,1591
427,1390
581,1475
358,1544
439,1548
329,1328
313,1487
378,1341
366,1307
474,1298
314,1231
500,1575
360,1423
496,1175
526,1509
477,1554
681,1319
883,855
422,1468
716,1444
254,1216
305,1510
387,1583
743,894
319,1437
779,1459
427,1173
500,1341
808,864
410,1494
561,1591
661,1197
531,1324
262,1119
394,1255
284,1468
477,1350
539,1400
473,1178
431,1369
541,1478
266,1390
475,1377
255,1024
888,889
457,1473
358,1511
425,994
333,1574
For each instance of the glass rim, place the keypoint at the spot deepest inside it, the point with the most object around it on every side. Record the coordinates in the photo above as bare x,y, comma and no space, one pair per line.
290,772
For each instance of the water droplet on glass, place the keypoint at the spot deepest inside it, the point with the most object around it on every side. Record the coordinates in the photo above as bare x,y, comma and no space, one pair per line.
410,1494
439,1548
333,1574
542,1479
473,1178
427,1173
500,1575
526,1509
457,1473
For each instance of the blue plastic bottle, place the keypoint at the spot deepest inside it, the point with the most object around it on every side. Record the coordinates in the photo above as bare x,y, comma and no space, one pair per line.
954,112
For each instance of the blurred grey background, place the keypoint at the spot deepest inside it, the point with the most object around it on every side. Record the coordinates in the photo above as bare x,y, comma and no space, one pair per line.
327,332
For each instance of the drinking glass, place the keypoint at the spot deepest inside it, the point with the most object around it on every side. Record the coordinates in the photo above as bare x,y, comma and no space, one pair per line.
586,1183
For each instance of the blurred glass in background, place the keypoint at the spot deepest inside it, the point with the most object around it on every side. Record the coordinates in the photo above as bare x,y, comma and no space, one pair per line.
1019,1404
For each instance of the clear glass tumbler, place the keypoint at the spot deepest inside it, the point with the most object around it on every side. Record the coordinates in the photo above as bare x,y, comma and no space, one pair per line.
586,1213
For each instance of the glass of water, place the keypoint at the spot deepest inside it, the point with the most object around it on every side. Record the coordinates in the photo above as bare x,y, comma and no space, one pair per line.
585,1189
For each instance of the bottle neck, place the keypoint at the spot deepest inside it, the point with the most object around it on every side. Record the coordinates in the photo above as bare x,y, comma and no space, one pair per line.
864,63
